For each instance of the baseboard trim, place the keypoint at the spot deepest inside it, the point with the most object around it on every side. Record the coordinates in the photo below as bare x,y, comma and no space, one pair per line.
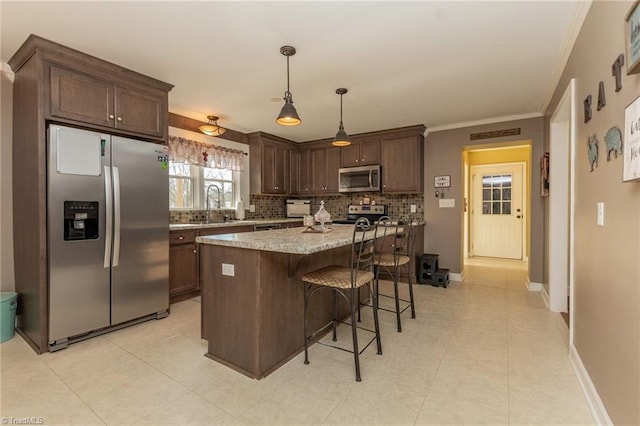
598,410
531,286
455,277
545,296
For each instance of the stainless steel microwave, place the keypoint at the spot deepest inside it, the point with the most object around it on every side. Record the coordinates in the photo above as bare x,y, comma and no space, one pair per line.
359,179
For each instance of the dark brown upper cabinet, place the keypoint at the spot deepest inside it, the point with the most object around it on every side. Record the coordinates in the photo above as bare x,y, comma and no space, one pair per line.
362,153
402,164
80,97
299,183
325,163
270,164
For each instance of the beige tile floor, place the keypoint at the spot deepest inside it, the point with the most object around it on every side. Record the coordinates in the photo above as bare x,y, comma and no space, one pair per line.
484,351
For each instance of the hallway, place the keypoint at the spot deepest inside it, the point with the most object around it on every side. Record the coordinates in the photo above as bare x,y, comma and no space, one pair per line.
484,351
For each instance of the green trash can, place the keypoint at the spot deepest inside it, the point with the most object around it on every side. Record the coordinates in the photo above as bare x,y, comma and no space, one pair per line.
8,305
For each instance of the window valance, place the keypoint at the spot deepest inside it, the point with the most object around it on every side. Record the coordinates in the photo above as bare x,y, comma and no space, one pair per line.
183,150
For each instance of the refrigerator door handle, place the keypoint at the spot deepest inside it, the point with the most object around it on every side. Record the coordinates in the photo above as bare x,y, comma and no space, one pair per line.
116,210
109,216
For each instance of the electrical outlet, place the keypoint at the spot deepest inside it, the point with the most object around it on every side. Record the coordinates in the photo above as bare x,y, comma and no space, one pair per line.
228,269
447,202
252,208
414,208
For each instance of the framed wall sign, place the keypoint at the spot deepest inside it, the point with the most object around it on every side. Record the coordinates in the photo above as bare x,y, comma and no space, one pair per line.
442,181
631,143
632,38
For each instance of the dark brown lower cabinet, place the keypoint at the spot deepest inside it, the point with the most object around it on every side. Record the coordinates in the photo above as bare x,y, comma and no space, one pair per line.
184,262
183,265
183,272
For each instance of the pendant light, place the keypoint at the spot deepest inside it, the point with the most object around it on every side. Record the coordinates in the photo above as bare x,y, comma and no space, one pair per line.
341,139
288,114
212,128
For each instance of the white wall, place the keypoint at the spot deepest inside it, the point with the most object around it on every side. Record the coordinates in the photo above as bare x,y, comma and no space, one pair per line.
7,281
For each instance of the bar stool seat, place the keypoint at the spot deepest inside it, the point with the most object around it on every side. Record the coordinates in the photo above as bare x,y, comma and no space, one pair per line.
338,277
388,259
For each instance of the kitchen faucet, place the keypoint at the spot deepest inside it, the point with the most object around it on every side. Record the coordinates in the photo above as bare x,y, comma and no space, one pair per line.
213,185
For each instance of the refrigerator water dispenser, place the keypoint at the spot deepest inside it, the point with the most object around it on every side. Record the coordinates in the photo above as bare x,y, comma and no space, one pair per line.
80,220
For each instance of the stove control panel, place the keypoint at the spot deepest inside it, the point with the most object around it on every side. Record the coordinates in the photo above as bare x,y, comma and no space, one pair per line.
366,210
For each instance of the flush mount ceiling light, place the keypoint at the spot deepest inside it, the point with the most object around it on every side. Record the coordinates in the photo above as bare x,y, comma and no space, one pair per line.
341,139
212,128
288,114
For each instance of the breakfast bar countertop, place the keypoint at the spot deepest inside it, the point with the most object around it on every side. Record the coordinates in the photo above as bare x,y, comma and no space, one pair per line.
291,240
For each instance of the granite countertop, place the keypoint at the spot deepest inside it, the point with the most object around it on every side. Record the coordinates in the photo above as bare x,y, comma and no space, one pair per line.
182,226
291,240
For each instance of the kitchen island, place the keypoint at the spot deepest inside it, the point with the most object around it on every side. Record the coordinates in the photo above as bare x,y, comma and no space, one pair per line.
252,293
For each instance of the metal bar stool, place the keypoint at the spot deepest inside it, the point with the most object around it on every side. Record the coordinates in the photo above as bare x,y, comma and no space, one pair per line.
396,253
346,282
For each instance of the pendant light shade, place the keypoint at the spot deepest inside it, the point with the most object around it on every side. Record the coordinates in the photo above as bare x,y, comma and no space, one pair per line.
288,115
212,128
341,139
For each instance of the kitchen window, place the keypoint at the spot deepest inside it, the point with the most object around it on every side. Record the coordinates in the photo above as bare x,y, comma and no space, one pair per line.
188,184
195,166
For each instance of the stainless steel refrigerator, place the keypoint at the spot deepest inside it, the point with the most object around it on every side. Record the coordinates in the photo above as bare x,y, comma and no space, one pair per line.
108,233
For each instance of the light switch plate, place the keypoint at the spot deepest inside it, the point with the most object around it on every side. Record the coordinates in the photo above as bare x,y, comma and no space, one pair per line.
600,219
252,208
228,269
447,202
414,208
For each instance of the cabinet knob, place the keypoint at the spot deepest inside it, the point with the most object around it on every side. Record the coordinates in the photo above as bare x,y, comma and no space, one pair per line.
119,118
362,160
181,237
194,250
111,116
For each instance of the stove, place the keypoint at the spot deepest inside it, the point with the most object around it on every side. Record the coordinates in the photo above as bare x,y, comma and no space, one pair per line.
355,211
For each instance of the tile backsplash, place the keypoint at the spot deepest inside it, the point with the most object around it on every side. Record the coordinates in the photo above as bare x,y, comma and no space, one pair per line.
268,207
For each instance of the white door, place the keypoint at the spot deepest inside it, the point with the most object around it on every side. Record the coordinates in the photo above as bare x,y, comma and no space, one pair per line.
497,216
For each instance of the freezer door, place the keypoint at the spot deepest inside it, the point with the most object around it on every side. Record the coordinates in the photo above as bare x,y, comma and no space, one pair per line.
79,295
140,265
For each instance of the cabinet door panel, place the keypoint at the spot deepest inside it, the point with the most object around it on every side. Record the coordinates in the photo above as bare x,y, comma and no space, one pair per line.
79,97
294,170
182,268
401,165
369,153
332,167
318,170
140,112
281,172
304,172
350,155
268,169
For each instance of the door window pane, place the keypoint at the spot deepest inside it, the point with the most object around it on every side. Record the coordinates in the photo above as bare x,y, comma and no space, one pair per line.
496,194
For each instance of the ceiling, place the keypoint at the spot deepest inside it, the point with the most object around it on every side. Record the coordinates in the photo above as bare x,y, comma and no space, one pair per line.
439,63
